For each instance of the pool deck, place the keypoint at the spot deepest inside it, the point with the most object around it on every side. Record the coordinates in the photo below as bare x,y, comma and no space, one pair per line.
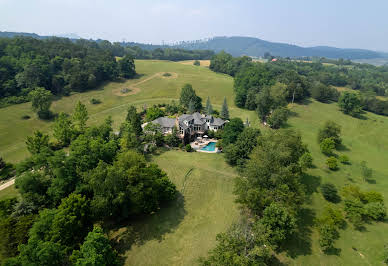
199,144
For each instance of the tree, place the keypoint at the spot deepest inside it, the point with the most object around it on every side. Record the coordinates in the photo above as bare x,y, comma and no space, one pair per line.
80,116
153,113
238,153
134,120
95,250
331,162
232,130
280,223
197,63
41,100
172,139
328,224
330,130
272,174
225,111
327,236
191,108
329,192
71,222
37,143
126,67
63,129
128,187
278,117
306,160
209,107
350,103
187,95
245,243
327,146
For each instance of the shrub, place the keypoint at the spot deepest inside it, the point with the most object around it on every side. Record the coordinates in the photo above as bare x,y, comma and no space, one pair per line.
188,148
386,253
344,159
166,74
355,212
330,130
306,160
329,192
375,211
327,146
328,233
26,117
125,90
197,63
95,101
180,146
331,162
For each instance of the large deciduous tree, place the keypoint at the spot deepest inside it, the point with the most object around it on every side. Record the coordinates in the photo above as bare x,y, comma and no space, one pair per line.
41,100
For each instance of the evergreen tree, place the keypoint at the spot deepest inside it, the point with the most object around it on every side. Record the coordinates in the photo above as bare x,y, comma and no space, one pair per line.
225,110
80,115
134,120
209,107
191,108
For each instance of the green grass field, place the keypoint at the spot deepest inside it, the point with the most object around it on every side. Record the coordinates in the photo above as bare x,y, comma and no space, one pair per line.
14,130
179,234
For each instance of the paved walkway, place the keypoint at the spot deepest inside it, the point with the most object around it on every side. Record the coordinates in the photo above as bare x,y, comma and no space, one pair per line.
7,184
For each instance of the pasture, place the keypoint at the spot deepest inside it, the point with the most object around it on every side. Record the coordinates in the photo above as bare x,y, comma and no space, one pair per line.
180,233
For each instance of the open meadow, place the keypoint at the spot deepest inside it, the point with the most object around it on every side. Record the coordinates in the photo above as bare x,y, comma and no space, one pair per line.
179,234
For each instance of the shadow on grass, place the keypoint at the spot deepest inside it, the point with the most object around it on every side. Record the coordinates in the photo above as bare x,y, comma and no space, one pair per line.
300,242
342,147
333,251
122,80
142,229
311,183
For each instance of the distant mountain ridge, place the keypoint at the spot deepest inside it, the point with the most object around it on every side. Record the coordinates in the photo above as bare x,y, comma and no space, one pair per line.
250,46
238,46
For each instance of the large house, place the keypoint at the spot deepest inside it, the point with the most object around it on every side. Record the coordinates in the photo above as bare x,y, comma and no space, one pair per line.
190,125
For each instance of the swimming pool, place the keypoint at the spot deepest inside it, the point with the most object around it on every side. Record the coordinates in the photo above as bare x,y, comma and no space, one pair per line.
211,146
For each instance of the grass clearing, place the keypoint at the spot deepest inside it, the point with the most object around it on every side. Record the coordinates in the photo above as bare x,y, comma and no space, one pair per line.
204,63
9,192
186,230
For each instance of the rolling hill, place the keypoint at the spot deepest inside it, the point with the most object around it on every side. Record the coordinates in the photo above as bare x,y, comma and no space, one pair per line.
238,46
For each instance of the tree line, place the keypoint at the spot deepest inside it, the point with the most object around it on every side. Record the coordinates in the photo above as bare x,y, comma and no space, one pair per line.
58,65
304,79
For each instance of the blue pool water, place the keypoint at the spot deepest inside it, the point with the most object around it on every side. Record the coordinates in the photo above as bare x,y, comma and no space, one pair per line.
211,146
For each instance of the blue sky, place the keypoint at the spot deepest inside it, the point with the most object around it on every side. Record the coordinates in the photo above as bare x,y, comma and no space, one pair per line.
340,23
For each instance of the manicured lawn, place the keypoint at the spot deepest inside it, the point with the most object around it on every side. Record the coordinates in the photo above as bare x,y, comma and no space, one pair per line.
186,230
158,89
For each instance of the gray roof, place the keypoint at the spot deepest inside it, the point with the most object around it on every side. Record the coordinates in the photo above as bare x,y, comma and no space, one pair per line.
165,122
218,122
198,119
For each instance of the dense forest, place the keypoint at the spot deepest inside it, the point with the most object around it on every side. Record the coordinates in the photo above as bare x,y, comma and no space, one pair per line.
56,64
61,65
256,82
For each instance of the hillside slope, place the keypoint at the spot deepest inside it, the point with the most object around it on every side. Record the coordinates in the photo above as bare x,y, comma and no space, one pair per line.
238,46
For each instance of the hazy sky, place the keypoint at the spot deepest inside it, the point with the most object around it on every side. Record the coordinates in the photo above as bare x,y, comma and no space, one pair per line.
340,23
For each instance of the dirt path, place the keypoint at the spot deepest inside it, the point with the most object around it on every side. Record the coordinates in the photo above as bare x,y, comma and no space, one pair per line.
134,89
7,184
